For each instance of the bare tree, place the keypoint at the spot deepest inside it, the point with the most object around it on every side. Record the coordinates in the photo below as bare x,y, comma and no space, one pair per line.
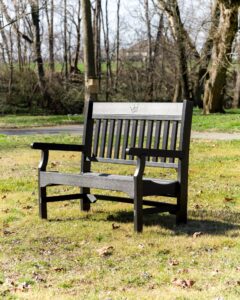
38,53
172,11
220,56
117,45
50,23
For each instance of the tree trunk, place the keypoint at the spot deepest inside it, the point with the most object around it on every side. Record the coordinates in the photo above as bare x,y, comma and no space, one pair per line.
117,45
221,51
107,51
50,21
91,82
78,29
236,97
204,58
172,11
38,53
97,38
65,41
149,89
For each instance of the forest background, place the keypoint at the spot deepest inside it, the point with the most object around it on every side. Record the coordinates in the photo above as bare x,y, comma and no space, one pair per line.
145,50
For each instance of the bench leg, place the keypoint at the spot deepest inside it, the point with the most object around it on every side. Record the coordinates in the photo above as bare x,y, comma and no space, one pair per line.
84,202
181,215
42,202
138,212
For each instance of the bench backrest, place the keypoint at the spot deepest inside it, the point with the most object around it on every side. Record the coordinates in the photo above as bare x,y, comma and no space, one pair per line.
110,128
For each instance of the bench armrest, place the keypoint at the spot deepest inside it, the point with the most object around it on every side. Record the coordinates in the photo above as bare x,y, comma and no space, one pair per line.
58,147
155,152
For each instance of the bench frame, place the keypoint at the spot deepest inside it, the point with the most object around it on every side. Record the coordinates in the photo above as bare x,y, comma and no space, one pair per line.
136,186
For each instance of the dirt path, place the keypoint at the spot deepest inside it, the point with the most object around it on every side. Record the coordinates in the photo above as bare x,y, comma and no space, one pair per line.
78,129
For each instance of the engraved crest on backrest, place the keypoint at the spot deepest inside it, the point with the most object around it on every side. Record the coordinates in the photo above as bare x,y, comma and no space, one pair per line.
134,108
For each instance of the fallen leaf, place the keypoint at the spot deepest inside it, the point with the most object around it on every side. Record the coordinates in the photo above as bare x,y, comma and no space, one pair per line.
197,206
114,226
58,269
183,271
24,286
27,207
183,283
53,164
105,251
197,234
228,199
7,232
173,262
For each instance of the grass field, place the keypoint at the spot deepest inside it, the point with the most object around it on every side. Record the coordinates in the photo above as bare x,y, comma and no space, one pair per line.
96,255
229,122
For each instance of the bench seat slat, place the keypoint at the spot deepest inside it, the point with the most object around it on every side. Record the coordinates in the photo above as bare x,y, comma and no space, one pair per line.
151,186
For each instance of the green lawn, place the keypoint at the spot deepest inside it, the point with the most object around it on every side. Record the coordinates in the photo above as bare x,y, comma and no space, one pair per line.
61,258
25,121
229,122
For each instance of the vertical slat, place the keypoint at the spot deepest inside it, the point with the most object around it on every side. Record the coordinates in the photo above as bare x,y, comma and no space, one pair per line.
125,138
141,134
133,135
157,137
149,135
110,138
173,139
165,138
103,138
118,139
96,137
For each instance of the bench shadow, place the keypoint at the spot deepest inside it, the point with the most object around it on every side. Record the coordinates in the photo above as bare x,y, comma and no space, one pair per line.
209,224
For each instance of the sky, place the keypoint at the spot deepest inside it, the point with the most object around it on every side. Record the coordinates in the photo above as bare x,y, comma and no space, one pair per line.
194,13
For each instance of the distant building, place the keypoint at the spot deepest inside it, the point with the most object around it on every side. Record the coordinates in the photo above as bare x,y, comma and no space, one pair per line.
136,52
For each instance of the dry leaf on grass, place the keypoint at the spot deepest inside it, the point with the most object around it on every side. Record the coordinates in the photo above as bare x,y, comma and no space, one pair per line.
183,271
228,199
105,251
114,226
183,283
173,262
197,234
27,207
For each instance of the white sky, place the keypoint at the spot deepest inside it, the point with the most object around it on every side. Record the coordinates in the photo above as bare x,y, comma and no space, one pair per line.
194,14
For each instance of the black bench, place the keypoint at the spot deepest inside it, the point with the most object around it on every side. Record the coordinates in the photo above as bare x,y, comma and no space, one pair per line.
151,134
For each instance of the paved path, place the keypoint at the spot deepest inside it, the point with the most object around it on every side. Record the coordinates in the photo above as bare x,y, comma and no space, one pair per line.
78,129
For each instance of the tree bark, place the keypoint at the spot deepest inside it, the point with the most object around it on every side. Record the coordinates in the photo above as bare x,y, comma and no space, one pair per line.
204,58
78,29
91,83
172,11
221,51
38,53
97,37
149,89
50,22
117,45
65,41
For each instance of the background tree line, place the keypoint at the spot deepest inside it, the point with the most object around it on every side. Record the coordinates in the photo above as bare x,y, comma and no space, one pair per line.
41,54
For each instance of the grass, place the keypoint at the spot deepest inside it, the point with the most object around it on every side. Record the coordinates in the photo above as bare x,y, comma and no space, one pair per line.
59,258
229,122
25,121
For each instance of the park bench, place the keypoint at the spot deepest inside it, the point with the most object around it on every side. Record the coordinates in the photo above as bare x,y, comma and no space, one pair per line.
141,134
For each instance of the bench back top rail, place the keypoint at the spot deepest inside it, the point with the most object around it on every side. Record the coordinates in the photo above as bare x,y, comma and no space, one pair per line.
117,126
